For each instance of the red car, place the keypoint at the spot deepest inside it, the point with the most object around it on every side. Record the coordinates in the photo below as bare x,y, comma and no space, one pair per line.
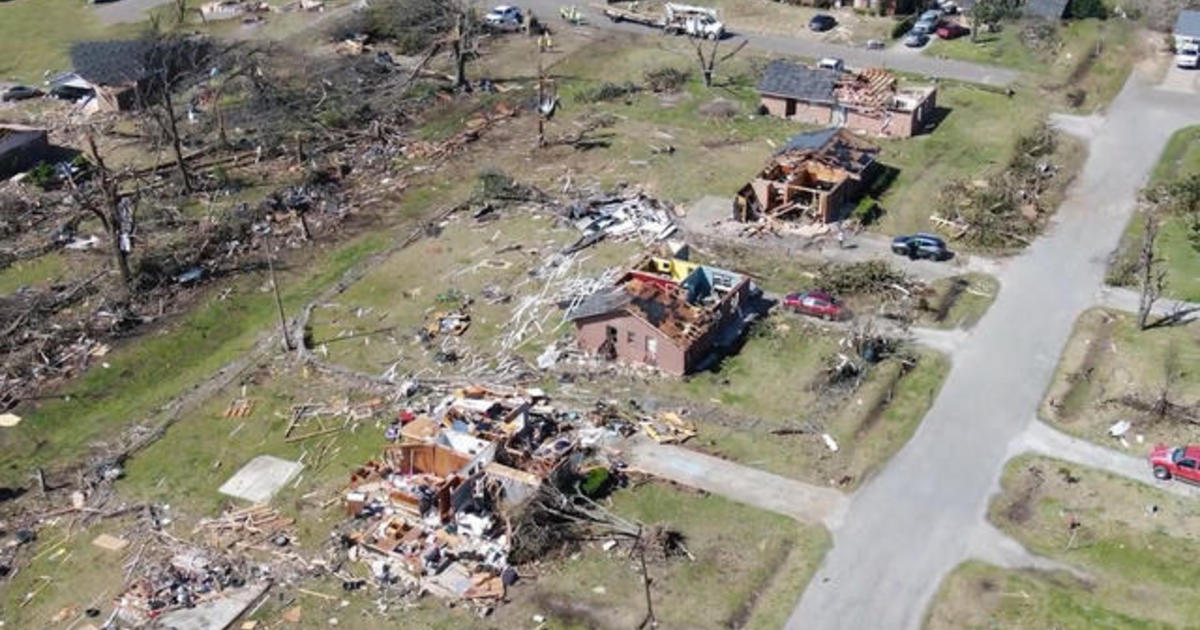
952,30
1182,462
815,303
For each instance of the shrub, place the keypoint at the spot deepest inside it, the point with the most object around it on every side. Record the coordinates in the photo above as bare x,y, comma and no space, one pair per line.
1082,9
665,79
608,92
42,175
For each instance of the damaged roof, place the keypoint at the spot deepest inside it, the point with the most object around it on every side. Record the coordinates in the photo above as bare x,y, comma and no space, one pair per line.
793,80
833,146
601,302
110,62
662,305
1048,9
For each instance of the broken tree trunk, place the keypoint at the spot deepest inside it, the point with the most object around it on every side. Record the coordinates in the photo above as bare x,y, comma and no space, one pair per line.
1152,279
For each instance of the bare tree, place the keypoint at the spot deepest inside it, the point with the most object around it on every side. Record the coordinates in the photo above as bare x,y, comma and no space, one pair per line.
169,62
709,61
1152,277
115,213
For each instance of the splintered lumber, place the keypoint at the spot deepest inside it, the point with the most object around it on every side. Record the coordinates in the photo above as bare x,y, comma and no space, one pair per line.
313,434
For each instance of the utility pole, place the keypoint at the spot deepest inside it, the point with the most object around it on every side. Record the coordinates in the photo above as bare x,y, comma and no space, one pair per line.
287,338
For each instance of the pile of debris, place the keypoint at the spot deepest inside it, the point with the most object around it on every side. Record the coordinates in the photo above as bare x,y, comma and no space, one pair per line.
183,580
1006,209
438,511
619,216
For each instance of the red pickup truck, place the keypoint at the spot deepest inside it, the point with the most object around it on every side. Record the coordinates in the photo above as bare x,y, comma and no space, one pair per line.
1182,462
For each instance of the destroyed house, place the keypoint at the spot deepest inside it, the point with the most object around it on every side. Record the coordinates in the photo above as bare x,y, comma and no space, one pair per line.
667,313
415,479
870,101
815,176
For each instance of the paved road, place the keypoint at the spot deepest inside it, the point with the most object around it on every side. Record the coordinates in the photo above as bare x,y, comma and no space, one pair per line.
855,57
911,524
801,501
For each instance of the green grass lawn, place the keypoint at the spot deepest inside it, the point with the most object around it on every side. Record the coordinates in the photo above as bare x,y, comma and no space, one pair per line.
1001,49
1181,158
1131,553
1108,358
976,136
147,372
32,273
977,295
35,35
979,595
771,384
1060,66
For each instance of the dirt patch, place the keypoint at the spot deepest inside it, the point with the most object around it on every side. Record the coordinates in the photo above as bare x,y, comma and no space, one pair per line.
1021,508
574,612
744,612
1068,405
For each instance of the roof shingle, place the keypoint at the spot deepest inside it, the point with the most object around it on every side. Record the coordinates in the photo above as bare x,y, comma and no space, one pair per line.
792,80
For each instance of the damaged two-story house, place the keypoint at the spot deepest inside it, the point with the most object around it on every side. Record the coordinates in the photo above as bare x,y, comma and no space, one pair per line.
815,177
664,312
869,101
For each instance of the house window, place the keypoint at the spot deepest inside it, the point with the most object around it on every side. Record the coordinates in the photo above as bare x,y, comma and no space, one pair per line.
630,337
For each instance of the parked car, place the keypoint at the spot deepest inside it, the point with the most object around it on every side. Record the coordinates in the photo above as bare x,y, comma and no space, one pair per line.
932,15
915,39
822,22
503,16
19,93
1181,462
1188,56
924,27
921,245
952,30
832,63
814,303
875,44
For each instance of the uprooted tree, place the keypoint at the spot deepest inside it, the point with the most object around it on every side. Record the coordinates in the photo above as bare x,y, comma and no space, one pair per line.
1005,209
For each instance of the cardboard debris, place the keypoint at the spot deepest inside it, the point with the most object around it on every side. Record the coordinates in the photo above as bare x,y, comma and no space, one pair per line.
110,542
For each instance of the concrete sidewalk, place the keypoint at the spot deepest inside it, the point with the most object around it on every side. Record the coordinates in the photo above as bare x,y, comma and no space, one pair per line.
1043,439
801,501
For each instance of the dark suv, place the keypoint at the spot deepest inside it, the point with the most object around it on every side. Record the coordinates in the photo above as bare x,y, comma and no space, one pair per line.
822,22
921,245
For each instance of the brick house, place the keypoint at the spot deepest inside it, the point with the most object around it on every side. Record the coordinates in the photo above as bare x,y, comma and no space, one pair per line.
668,313
815,176
870,101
